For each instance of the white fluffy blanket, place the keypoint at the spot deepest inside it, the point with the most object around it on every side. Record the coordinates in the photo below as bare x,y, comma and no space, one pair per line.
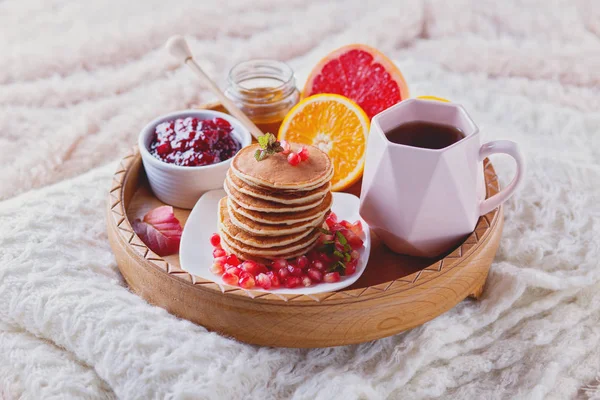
79,79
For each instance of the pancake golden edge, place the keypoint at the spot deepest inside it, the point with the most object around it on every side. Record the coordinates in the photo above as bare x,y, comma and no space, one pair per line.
287,198
282,218
289,188
249,239
263,205
262,229
286,252
265,260
277,164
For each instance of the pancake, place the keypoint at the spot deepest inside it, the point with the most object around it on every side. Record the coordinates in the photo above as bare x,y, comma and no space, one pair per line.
287,218
262,242
245,256
252,203
288,251
286,197
278,190
262,229
275,172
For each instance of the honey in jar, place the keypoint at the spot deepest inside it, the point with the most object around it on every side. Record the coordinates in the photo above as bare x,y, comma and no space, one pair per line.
265,90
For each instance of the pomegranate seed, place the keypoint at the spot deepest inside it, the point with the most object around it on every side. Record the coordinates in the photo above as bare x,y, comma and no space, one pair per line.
218,252
279,263
355,242
283,273
247,280
339,247
215,240
247,265
274,279
315,274
326,259
353,239
332,277
354,254
336,227
346,224
317,264
263,281
324,238
217,268
331,219
221,260
230,279
303,154
233,260
262,268
293,159
320,241
253,267
351,267
306,281
232,270
286,147
302,262
292,282
296,271
357,228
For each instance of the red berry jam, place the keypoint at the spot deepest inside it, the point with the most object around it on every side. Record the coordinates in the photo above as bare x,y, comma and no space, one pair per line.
192,142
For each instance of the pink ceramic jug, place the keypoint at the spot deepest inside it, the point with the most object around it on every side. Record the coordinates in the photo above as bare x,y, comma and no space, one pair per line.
422,201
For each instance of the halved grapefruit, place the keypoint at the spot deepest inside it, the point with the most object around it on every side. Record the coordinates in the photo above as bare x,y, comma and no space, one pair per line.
360,73
434,98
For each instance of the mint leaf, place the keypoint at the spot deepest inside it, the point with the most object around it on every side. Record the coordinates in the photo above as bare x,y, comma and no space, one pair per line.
263,141
338,266
324,231
260,155
338,254
341,238
269,145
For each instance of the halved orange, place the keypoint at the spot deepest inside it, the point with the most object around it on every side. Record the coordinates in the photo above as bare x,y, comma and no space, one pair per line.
362,74
336,125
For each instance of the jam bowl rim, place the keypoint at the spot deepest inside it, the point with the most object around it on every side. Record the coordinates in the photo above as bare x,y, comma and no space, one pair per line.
240,133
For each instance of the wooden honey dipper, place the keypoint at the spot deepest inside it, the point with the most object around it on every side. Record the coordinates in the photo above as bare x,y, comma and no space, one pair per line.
179,49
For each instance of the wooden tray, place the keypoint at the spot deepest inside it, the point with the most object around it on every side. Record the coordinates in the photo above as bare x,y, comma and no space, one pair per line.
394,294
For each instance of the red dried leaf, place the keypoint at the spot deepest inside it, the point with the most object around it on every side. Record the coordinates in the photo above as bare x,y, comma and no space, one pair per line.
159,230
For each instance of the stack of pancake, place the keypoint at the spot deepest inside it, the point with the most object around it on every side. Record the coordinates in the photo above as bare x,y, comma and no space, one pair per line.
273,209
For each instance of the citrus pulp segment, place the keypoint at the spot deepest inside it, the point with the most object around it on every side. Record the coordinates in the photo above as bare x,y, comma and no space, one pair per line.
361,73
337,126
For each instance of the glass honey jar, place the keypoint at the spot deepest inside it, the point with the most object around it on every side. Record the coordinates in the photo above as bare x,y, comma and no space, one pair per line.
265,90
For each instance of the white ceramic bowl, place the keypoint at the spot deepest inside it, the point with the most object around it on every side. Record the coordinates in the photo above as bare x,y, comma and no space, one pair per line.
182,186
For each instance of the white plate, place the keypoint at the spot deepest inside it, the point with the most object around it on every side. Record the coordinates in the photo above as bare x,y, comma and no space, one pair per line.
195,251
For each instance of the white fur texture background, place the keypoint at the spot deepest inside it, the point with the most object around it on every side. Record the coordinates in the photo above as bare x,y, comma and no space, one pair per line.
79,79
